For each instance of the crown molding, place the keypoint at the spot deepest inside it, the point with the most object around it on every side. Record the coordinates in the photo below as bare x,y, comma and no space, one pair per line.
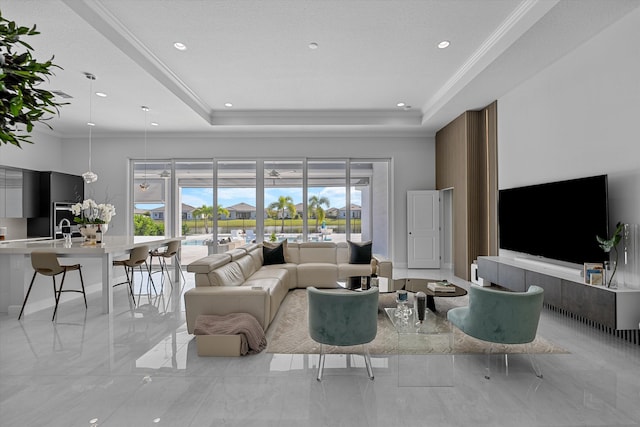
508,32
100,18
316,117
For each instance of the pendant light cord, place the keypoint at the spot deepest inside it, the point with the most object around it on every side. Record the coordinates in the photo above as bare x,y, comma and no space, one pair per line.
91,78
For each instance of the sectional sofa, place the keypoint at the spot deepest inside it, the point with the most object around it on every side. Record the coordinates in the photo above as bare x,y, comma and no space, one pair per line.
244,280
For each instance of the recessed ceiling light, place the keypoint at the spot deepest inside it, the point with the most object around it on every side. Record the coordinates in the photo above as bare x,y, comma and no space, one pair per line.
444,44
228,104
313,45
180,46
101,94
401,104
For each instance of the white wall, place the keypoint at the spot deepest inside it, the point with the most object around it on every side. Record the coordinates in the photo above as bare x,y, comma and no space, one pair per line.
413,163
579,117
45,154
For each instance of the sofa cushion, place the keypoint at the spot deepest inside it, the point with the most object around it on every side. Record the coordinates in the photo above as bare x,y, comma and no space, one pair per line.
320,275
276,289
247,266
317,252
268,273
292,253
359,253
292,270
208,263
237,253
228,275
342,252
256,255
272,255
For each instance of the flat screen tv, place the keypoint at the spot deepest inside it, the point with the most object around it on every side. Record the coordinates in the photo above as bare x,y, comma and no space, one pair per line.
557,220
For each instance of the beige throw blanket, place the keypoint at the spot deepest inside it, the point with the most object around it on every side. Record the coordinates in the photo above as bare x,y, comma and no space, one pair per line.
252,339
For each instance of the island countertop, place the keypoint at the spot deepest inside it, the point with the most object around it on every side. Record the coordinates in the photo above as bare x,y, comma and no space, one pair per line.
110,244
16,267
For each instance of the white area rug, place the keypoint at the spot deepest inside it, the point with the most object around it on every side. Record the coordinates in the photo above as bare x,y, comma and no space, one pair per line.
288,333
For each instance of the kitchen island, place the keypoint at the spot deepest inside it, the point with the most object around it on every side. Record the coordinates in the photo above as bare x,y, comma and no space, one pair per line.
16,270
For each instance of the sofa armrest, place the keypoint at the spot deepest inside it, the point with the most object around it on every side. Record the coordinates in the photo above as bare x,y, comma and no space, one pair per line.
223,300
385,266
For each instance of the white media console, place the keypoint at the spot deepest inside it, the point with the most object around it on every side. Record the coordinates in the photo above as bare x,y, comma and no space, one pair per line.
565,291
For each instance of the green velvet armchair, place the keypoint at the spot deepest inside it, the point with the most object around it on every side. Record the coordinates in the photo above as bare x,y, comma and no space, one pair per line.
343,319
501,317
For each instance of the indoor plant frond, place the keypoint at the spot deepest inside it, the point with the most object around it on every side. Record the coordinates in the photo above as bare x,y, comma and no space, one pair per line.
22,103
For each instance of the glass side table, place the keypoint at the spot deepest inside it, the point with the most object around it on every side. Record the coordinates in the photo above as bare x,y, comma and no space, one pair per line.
425,351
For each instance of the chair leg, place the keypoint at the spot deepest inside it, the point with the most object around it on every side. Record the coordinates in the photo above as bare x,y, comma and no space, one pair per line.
129,282
534,363
175,259
487,374
367,361
57,292
82,284
149,278
321,363
163,270
26,297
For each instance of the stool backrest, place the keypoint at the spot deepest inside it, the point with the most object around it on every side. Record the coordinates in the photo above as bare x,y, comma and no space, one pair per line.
172,248
137,256
46,263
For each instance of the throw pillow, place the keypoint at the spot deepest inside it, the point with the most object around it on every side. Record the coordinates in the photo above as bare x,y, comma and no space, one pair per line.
273,255
359,253
285,249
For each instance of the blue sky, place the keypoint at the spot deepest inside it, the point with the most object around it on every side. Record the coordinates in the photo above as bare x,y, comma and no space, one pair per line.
230,196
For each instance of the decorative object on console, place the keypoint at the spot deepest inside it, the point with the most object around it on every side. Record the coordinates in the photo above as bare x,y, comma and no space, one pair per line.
442,286
607,245
591,271
631,254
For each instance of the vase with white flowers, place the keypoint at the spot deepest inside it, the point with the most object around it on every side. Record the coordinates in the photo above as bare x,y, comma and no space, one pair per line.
91,216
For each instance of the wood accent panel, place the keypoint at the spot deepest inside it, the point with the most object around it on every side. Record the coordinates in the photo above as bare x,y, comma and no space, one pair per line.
491,120
466,161
451,172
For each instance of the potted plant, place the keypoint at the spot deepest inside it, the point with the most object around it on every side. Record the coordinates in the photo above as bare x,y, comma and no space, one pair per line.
22,102
608,244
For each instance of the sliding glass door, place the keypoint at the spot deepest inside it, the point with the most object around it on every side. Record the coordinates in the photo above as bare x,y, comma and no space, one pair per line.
213,202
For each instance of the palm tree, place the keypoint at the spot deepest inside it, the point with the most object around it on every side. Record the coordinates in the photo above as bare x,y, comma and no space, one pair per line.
283,203
222,211
205,212
315,208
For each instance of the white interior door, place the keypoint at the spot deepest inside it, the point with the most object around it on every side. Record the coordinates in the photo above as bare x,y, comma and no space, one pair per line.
423,228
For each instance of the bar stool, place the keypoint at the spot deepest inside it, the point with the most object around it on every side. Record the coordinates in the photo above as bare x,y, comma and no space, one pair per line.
137,257
46,263
171,251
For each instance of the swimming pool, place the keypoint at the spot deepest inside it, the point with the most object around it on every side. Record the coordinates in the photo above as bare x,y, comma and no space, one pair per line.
193,242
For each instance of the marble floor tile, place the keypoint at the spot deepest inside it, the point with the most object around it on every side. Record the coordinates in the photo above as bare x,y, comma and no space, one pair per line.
139,367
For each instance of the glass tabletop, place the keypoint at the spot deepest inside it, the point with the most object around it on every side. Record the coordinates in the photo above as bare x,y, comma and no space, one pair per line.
431,324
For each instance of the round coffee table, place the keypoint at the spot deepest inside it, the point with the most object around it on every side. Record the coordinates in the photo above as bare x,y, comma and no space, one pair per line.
421,285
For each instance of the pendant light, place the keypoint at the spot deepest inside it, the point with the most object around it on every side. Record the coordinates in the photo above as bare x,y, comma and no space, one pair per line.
145,185
89,176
